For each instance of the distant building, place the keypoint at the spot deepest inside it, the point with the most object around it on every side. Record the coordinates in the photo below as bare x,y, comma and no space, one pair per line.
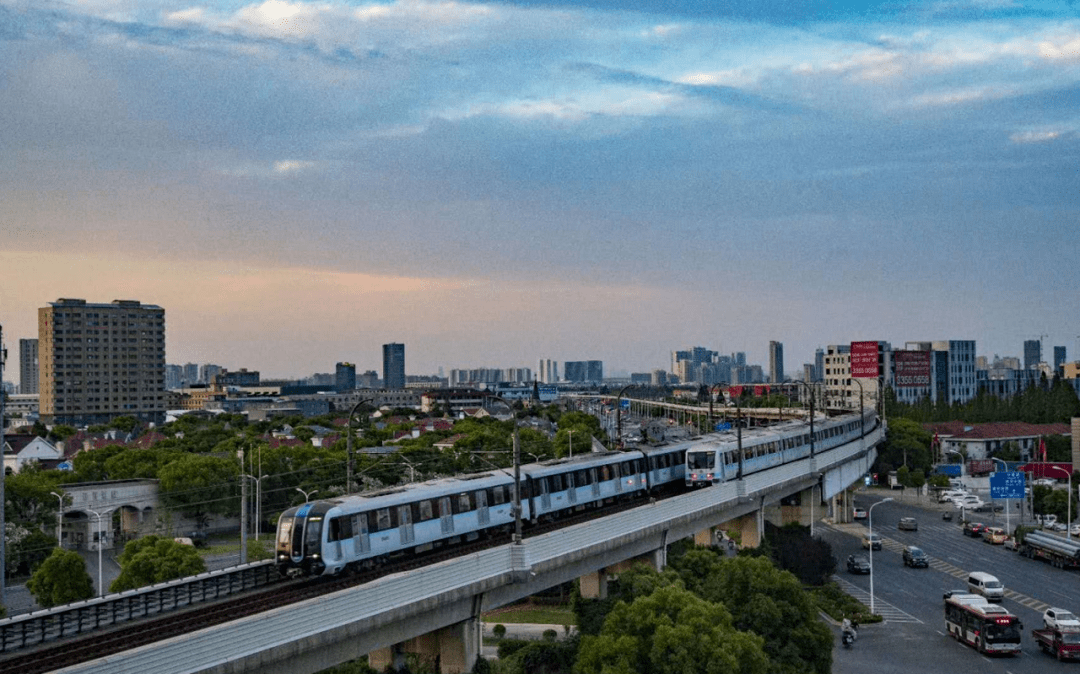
100,361
583,371
394,365
174,377
1059,358
808,372
547,371
345,377
640,378
819,364
242,377
28,366
369,379
1032,353
191,374
776,362
658,378
207,372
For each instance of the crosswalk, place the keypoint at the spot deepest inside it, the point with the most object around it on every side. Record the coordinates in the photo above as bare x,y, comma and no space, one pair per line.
937,564
887,611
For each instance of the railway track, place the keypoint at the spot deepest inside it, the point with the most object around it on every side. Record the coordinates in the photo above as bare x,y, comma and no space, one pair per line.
66,652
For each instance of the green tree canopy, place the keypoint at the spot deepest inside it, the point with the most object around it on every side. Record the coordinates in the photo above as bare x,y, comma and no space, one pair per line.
153,559
671,631
197,484
770,603
61,579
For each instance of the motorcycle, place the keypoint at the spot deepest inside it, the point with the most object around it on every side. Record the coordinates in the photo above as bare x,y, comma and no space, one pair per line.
848,638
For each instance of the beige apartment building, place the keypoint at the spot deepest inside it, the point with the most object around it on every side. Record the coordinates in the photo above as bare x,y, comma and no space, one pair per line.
100,361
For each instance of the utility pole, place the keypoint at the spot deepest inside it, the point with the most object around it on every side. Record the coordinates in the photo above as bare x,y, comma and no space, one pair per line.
243,510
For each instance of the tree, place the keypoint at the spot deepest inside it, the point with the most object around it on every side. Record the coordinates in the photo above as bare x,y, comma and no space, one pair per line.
61,579
667,632
197,484
153,559
773,604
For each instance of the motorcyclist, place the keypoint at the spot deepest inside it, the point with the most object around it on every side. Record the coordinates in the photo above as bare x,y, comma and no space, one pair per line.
847,628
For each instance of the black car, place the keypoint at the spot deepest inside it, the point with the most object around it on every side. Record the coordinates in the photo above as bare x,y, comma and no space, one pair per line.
989,507
974,529
915,558
858,564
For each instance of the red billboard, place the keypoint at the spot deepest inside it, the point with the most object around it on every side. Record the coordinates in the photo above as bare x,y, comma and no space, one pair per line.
864,359
912,369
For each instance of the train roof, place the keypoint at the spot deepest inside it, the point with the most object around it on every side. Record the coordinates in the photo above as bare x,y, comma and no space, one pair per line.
420,490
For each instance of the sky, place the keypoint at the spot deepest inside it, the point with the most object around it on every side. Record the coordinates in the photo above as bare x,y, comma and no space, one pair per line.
490,183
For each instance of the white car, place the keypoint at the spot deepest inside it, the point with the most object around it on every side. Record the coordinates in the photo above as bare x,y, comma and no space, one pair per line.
969,503
950,494
1060,618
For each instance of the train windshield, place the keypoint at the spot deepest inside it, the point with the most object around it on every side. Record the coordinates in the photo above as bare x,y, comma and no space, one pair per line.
284,532
313,535
701,460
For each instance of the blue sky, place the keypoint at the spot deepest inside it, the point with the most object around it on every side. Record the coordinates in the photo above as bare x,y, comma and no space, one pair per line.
495,182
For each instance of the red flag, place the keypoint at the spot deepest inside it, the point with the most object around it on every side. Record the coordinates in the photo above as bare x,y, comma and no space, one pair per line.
1042,448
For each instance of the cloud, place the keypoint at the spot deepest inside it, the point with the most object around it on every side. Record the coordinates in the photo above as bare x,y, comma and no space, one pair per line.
1024,137
291,166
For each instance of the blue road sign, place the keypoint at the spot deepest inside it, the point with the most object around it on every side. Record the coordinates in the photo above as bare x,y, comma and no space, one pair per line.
625,403
723,426
1007,485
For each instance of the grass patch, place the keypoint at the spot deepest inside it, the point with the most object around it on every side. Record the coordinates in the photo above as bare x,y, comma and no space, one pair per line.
257,550
539,615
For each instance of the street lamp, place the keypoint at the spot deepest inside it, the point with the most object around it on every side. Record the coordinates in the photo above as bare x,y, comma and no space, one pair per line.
810,392
570,432
618,413
953,451
59,519
100,583
1008,526
307,494
348,447
258,502
870,526
1068,501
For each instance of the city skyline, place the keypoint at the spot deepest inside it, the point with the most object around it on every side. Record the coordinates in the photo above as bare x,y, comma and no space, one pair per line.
298,183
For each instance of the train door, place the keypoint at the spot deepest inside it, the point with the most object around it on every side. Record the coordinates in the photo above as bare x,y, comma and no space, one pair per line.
616,472
482,515
405,524
595,483
446,515
361,543
545,495
571,489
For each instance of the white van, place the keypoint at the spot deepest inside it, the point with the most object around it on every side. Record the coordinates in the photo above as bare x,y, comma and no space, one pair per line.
986,585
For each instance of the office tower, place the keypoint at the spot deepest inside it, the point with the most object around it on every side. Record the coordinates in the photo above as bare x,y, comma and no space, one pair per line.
28,366
583,370
819,364
100,361
594,370
808,372
1032,353
344,377
174,376
369,379
776,362
1059,357
393,360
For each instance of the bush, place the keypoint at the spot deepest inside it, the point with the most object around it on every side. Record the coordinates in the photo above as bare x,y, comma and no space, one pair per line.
508,647
499,631
837,604
550,635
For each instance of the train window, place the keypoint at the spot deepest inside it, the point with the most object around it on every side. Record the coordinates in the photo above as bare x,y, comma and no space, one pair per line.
682,457
464,503
340,529
426,512
556,483
284,530
382,519
581,479
313,531
605,473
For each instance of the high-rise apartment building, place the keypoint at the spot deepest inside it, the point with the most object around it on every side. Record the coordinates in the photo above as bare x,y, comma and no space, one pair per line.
174,376
28,366
393,359
1059,357
344,377
207,373
100,361
583,370
1032,353
547,371
191,374
776,362
819,364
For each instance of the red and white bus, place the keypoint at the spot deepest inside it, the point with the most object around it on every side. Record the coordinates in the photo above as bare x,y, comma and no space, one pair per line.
990,628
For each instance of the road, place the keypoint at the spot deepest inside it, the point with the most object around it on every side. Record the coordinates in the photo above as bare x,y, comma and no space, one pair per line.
913,637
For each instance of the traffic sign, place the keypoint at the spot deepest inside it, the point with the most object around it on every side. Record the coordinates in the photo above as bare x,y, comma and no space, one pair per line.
1007,485
723,426
625,403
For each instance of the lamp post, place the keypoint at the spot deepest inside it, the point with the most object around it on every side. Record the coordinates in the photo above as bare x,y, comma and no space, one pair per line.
412,468
517,472
810,392
100,583
307,494
953,451
870,527
258,502
570,432
1068,501
618,414
348,447
59,519
1008,521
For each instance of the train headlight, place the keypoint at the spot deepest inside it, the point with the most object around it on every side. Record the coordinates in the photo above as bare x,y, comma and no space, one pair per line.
693,476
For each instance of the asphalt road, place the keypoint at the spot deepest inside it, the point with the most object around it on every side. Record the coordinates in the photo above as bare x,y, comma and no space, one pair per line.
913,637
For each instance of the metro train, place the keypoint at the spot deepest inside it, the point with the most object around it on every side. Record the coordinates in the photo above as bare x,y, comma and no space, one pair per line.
364,530
717,458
